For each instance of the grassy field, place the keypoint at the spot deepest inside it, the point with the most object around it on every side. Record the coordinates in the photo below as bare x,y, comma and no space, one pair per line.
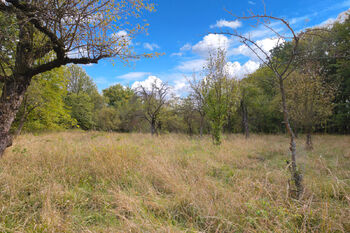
109,182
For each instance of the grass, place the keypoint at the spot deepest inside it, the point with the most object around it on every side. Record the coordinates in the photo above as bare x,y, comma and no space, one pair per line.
109,182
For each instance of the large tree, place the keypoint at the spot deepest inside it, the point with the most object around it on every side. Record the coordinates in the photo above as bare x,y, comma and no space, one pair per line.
63,32
282,61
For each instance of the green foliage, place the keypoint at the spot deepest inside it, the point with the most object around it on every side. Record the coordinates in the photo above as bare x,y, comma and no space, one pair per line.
221,95
82,99
117,95
263,101
44,106
108,119
81,107
309,98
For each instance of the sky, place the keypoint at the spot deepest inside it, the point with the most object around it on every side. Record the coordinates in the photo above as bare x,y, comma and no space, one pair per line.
183,31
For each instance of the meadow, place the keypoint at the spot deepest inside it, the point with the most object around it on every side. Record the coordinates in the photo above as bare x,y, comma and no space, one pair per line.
110,182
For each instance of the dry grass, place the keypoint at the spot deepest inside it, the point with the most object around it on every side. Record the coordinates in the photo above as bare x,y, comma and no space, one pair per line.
109,182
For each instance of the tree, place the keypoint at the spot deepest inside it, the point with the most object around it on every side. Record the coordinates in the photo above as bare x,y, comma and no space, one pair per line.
79,81
309,99
43,106
247,94
64,32
153,99
281,61
263,101
188,111
199,93
82,98
117,95
221,93
126,105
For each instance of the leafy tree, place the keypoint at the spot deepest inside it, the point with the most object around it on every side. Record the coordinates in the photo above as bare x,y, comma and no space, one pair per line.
248,93
82,98
43,106
309,99
108,119
337,70
221,93
117,95
75,31
264,101
79,81
189,114
81,107
127,106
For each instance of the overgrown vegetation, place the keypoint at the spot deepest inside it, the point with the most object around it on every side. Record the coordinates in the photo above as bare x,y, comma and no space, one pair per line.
111,182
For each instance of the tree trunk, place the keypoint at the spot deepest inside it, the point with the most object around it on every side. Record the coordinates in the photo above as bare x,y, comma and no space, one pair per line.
201,126
308,145
245,119
296,176
153,127
11,99
21,124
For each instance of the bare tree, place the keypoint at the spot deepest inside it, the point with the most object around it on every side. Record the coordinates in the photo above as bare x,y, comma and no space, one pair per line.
153,99
281,69
199,92
42,35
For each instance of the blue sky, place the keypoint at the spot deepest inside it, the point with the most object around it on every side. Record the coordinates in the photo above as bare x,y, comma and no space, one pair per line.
181,29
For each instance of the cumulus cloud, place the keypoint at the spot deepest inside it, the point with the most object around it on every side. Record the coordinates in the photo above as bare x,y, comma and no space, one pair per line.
191,65
251,2
147,84
236,70
266,45
229,24
210,43
133,75
150,46
180,87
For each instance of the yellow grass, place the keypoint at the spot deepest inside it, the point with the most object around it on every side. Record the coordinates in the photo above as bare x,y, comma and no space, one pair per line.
109,182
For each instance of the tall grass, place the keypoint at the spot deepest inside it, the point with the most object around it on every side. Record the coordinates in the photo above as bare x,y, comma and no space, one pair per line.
109,182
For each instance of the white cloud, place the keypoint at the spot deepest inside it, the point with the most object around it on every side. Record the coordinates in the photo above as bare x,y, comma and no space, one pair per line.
186,47
150,46
191,65
266,45
211,43
181,87
224,23
176,54
133,75
121,38
251,2
236,70
147,84
340,19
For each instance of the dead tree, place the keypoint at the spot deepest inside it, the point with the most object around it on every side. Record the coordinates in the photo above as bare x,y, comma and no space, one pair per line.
281,70
39,36
153,99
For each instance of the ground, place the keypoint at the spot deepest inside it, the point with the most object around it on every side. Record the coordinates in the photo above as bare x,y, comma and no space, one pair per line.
109,182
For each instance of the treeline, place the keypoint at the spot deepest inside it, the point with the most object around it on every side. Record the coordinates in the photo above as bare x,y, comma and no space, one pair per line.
318,95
